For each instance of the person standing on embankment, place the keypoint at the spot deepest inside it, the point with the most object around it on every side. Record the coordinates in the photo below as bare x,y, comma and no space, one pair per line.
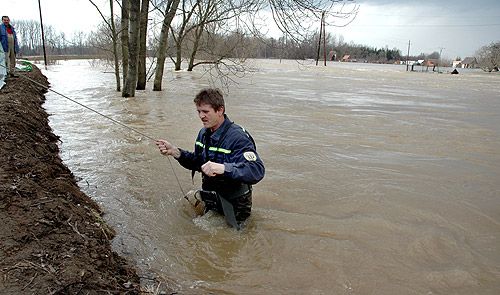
8,38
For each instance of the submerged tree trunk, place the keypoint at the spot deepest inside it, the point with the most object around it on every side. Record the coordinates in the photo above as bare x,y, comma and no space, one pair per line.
178,52
124,38
131,82
162,47
182,32
115,47
141,62
196,45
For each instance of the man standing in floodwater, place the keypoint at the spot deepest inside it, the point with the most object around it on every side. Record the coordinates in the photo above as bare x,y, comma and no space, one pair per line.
226,155
8,38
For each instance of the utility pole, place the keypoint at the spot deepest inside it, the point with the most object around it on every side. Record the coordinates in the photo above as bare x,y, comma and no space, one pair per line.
408,55
324,35
43,35
320,34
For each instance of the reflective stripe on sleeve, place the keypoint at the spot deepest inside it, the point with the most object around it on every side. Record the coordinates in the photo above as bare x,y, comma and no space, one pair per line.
214,149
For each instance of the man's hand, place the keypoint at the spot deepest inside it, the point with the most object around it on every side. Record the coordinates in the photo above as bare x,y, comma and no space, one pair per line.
168,149
212,169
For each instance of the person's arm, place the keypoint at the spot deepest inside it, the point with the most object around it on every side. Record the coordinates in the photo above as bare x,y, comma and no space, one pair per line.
245,165
16,44
168,149
187,159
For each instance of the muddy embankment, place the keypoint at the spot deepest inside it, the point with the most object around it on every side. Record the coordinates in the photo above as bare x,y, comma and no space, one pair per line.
52,237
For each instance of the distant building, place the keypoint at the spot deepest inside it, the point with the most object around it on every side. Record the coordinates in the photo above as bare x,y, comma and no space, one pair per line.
456,64
346,57
469,62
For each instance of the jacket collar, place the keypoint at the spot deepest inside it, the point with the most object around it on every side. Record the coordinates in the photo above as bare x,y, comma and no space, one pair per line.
219,132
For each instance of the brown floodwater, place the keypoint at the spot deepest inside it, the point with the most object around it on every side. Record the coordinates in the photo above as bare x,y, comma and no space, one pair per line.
378,181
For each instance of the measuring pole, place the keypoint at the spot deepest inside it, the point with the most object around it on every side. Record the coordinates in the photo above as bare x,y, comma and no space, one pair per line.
408,55
43,35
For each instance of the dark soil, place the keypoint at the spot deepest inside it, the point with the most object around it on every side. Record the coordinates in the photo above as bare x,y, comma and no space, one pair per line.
52,237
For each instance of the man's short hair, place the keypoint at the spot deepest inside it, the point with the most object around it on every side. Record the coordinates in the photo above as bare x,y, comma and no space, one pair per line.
210,96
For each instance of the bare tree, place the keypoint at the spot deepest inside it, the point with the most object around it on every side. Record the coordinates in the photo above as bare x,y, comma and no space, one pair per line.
101,44
124,37
488,57
114,37
169,14
29,34
78,42
220,15
143,31
178,35
114,34
293,17
296,17
223,55
203,15
133,48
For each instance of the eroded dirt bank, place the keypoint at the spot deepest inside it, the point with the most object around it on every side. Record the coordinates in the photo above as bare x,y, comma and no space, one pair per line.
52,239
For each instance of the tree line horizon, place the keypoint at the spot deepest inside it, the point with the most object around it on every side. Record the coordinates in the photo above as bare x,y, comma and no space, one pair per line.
84,44
218,34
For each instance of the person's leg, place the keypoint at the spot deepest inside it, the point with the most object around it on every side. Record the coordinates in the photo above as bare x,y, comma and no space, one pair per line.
11,56
7,61
212,201
242,207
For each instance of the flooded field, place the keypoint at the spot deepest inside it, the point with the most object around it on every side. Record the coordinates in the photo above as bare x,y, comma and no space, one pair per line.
378,181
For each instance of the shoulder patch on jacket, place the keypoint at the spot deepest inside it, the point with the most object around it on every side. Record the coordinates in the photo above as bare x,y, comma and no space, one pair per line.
250,156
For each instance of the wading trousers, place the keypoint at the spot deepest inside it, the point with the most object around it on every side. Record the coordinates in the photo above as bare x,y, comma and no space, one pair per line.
242,205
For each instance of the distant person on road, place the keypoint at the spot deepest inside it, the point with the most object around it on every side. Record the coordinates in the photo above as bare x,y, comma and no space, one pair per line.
226,155
8,38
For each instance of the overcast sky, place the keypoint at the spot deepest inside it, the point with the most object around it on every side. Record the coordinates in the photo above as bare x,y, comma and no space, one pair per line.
457,27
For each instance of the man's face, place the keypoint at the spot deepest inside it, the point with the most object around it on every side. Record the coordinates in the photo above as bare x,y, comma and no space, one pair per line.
209,117
5,20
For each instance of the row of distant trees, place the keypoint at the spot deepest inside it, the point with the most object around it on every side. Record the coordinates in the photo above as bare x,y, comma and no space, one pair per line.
30,40
99,43
232,45
218,33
